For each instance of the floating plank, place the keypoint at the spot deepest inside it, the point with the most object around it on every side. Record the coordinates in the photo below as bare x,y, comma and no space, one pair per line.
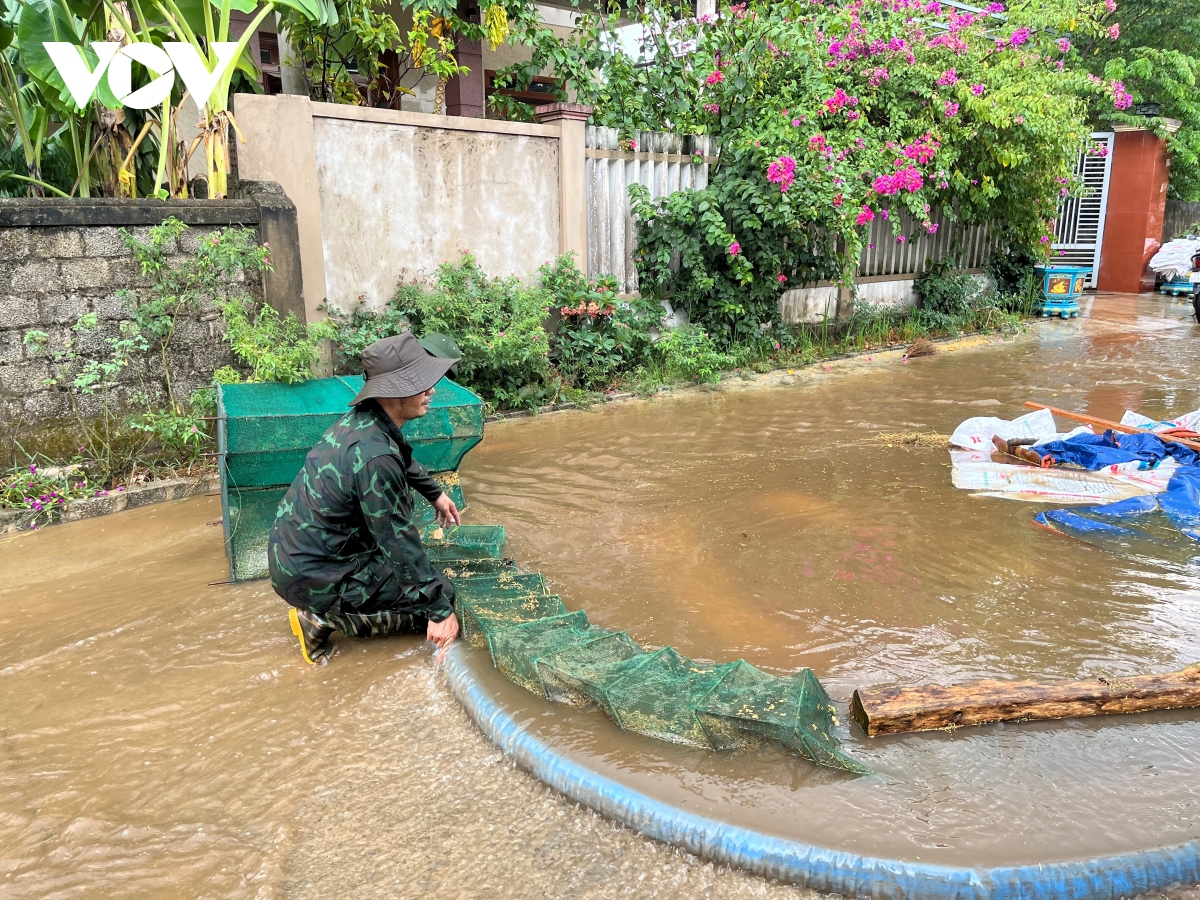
900,710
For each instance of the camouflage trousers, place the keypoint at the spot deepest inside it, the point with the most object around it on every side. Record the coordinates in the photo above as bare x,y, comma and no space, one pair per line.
363,625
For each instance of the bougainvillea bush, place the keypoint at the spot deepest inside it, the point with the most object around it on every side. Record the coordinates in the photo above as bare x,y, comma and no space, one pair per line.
830,116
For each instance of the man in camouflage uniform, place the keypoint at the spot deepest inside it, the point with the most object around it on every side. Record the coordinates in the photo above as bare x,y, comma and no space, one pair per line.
344,550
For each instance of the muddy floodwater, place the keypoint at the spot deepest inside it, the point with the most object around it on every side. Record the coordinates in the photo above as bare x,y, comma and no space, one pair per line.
159,736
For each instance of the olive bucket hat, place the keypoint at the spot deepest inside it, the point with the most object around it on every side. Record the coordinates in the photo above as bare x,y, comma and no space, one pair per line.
399,367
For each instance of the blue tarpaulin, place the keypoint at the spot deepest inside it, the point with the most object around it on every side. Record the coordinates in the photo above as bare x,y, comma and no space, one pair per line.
1170,519
1097,451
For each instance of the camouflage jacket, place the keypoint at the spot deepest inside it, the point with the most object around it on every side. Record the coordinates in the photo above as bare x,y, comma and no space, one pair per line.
346,523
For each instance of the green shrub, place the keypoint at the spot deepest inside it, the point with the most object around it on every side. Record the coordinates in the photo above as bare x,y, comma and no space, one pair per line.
600,337
687,353
271,346
944,289
497,322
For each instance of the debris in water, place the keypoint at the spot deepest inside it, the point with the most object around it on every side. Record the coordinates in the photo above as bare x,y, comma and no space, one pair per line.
926,440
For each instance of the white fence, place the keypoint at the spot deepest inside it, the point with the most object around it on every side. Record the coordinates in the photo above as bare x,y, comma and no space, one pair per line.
885,254
664,163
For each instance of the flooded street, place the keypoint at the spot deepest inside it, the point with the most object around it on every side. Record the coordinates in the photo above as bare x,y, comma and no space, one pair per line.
160,736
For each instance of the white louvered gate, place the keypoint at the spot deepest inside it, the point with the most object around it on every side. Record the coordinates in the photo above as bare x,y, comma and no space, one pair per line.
1079,229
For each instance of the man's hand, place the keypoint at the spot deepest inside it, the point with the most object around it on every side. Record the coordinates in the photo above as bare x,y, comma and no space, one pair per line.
446,512
444,632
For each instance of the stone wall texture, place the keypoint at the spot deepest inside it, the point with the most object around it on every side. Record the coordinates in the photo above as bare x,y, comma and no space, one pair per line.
63,259
49,278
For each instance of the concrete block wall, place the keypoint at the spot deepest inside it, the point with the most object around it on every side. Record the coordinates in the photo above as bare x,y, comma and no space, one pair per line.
62,259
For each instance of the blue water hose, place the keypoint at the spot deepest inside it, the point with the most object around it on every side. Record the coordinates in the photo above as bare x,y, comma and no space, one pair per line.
818,868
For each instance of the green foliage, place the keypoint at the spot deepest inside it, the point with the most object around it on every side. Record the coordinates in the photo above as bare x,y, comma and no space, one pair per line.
134,152
828,117
273,347
687,353
498,324
599,336
333,56
1157,60
213,273
944,289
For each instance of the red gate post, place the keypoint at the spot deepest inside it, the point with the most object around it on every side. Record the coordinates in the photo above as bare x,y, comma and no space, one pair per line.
1137,199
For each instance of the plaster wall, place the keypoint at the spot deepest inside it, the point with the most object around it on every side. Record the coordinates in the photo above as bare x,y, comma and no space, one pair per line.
398,199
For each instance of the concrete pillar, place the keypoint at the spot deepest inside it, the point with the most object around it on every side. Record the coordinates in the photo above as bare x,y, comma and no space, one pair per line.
572,181
283,283
465,94
1137,198
280,147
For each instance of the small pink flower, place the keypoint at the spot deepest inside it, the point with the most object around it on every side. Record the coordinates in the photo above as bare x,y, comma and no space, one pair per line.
1110,5
932,229
948,78
1044,239
1114,30
795,123
951,110
865,216
977,90
715,77
1064,45
781,278
632,144
900,240
735,248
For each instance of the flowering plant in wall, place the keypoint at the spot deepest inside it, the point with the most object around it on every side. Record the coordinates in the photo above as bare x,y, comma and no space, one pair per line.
830,116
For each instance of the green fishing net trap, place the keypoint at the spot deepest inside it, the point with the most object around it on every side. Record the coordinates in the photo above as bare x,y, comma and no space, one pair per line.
536,642
264,431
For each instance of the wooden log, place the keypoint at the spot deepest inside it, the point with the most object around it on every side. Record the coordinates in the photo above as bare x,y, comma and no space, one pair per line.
1105,423
900,710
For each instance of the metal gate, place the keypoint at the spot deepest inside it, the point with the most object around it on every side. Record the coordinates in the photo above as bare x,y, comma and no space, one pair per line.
1079,229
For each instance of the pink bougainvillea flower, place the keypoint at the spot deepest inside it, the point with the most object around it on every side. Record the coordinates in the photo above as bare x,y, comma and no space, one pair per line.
900,240
865,215
715,77
1044,239
1020,120
781,278
1114,30
1122,99
795,123
838,201
947,78
978,89
782,172
1064,45
712,108
951,110
735,248
1019,37
1110,5
932,228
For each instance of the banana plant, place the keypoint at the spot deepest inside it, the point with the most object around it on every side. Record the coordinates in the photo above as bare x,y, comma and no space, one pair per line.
205,24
